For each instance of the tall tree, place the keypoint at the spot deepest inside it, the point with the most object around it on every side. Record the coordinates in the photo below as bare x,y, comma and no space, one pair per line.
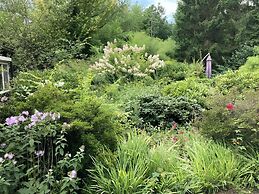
204,26
249,23
155,24
42,31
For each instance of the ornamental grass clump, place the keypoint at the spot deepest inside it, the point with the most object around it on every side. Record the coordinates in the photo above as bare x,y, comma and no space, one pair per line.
213,167
130,62
126,171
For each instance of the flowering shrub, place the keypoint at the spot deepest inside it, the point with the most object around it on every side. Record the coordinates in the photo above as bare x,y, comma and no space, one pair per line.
233,118
32,155
129,61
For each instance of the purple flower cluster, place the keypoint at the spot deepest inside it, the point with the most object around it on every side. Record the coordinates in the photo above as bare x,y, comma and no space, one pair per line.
35,118
38,117
15,120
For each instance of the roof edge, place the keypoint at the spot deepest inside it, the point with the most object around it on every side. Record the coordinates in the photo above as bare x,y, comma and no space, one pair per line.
5,59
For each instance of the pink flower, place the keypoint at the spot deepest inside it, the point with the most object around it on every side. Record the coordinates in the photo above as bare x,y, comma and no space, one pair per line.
230,106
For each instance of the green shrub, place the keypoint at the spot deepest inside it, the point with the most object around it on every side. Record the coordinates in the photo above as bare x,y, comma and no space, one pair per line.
195,89
233,119
247,77
45,98
251,65
153,45
124,94
92,122
173,71
26,83
67,75
163,111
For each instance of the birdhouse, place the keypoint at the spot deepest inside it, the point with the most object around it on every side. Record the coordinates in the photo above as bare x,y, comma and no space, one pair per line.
4,74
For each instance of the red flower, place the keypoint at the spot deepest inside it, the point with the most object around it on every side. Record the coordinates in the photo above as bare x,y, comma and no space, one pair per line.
230,106
181,132
174,139
174,125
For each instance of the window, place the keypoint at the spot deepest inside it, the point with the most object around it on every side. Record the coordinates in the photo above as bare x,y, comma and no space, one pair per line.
4,73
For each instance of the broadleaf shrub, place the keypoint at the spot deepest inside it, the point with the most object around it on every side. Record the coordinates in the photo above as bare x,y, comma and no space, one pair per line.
195,89
164,110
165,48
233,118
247,77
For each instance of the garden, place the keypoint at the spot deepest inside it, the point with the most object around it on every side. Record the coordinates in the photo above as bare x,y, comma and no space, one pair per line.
98,104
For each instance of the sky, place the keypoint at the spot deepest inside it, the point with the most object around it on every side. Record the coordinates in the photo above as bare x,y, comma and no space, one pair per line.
169,5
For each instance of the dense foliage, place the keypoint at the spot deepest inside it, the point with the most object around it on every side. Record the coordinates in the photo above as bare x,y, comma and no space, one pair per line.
98,104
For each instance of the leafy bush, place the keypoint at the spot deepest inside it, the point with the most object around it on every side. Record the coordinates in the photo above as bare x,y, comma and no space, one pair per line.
92,122
26,83
44,98
251,65
191,88
128,62
233,119
239,80
153,45
163,111
247,77
68,75
239,57
173,71
176,71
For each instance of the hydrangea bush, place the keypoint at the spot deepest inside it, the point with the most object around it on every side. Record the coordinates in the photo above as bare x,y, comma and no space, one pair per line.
129,61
